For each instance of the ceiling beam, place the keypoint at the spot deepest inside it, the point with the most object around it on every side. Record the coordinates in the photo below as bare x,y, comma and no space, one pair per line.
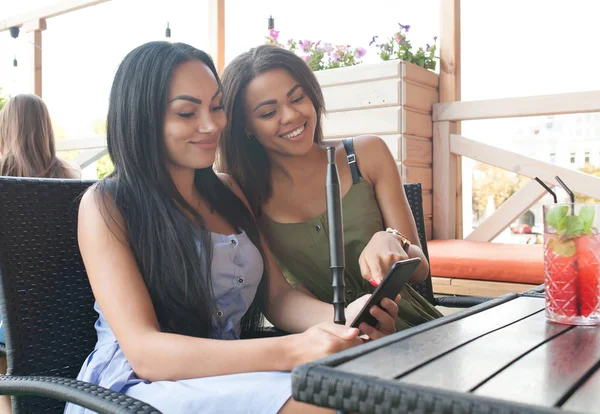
46,12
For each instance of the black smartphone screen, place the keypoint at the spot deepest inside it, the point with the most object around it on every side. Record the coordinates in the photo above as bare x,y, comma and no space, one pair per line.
393,282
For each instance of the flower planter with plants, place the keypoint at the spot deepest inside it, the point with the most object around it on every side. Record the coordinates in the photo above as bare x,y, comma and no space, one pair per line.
392,99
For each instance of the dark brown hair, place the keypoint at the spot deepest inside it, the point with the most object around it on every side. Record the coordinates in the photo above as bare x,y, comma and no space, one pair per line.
245,159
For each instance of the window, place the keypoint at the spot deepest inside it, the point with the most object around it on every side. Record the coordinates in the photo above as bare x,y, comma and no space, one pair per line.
572,158
553,158
587,157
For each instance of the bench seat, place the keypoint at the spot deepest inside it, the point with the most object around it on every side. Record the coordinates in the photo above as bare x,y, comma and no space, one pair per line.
465,267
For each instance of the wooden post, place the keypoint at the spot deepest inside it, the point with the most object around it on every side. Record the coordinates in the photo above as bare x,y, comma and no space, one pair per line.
33,29
216,34
450,91
444,184
34,22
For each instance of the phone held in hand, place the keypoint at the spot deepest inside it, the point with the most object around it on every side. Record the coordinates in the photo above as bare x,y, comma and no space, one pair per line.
393,282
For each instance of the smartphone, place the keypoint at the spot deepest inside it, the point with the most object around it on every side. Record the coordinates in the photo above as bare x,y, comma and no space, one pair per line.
393,282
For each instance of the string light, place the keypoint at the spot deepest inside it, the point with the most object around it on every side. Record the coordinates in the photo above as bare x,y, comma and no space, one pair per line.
14,33
168,33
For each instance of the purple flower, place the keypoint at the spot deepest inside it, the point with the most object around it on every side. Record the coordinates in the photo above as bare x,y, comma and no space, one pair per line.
403,27
435,38
328,48
387,48
373,40
336,56
306,45
360,52
427,48
274,34
306,58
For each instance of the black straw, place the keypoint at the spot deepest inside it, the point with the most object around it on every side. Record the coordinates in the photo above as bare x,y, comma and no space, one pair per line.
547,189
336,237
571,195
575,262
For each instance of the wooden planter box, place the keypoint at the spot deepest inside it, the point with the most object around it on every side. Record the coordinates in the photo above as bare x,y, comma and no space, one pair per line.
391,99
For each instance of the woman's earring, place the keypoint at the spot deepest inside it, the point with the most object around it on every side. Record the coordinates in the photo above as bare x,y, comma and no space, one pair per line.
249,136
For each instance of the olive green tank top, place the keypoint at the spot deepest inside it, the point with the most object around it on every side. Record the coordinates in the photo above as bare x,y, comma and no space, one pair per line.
302,252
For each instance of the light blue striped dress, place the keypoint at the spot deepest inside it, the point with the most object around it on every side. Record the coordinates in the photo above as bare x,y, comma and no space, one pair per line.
237,269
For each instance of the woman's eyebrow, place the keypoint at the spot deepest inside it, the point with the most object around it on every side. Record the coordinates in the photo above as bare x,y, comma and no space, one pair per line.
187,98
273,101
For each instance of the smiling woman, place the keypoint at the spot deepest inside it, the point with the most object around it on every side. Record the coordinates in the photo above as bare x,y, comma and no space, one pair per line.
272,146
189,275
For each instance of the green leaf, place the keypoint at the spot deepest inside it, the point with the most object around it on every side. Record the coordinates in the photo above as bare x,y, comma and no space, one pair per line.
587,213
556,215
574,226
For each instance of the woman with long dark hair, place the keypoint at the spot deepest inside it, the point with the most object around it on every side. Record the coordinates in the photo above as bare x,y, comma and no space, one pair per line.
272,146
176,262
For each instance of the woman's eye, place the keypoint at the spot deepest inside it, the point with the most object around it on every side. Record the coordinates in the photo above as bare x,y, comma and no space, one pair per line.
298,99
268,114
185,114
218,108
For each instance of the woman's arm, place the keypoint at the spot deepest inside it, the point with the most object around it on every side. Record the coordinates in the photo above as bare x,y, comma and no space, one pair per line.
379,167
292,310
123,297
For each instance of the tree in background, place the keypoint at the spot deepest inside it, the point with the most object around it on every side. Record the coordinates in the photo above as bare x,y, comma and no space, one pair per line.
495,182
591,170
104,165
3,99
501,184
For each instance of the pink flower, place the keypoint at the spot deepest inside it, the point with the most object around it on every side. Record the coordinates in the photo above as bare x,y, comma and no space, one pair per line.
274,34
328,48
306,45
360,52
336,56
306,58
398,38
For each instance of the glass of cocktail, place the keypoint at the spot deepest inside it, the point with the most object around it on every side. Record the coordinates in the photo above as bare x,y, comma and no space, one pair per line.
572,263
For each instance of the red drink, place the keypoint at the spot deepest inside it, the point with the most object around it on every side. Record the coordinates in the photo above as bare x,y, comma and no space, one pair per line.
572,264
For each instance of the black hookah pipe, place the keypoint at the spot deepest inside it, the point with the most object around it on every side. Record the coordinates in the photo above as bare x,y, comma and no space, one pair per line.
336,237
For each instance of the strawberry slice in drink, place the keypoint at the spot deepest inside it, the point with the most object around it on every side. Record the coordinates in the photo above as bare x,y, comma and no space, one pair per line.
561,276
588,267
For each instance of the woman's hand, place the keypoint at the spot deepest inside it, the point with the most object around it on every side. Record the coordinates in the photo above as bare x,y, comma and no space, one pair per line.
383,250
322,340
386,316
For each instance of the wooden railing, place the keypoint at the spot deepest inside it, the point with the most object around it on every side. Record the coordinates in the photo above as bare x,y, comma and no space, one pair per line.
91,149
449,146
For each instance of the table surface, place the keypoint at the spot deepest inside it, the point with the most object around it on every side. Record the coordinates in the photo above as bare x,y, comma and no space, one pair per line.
501,356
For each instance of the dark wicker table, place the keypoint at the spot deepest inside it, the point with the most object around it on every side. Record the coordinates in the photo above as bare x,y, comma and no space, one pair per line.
498,357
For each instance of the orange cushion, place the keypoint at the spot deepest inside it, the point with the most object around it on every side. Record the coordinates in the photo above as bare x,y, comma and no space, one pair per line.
498,262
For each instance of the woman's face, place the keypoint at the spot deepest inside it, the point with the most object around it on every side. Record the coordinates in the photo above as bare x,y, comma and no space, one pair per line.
279,114
194,117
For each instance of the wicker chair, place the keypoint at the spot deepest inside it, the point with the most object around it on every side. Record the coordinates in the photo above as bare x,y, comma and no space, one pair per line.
46,300
415,199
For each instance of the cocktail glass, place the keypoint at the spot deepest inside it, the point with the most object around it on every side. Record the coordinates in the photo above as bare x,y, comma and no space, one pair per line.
572,263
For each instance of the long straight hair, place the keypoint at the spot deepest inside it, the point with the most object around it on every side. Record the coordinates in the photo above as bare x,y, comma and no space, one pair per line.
246,159
27,146
174,253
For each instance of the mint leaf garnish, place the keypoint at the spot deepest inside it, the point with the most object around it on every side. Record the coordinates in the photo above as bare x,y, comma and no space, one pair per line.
574,226
587,213
556,217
